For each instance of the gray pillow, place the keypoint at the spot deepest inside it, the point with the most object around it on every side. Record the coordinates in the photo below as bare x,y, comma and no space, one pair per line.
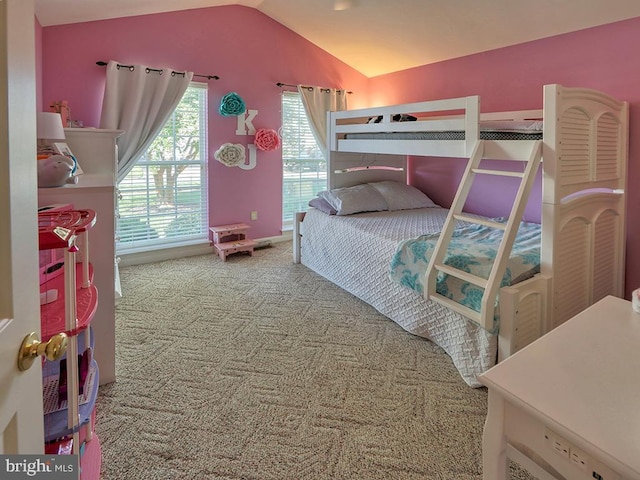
400,196
322,205
356,199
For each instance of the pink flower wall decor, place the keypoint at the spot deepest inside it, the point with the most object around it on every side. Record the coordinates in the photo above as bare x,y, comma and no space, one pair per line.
267,139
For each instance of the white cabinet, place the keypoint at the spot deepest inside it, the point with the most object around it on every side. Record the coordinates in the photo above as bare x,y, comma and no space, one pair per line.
566,406
96,152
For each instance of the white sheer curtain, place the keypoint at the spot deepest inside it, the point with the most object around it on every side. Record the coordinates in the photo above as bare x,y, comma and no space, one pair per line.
139,101
317,102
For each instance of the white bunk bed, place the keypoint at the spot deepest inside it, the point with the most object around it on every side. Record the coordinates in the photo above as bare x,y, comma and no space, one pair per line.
584,151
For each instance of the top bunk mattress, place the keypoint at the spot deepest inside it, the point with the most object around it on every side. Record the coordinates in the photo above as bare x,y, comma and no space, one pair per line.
452,135
489,130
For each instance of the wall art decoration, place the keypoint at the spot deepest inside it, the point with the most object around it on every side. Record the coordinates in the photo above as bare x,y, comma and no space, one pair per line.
232,105
245,122
231,154
267,139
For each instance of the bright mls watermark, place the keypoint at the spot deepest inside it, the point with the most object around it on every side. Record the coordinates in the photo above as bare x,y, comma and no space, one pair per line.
51,467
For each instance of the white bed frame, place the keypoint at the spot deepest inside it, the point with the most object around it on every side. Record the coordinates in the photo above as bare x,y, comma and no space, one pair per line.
585,150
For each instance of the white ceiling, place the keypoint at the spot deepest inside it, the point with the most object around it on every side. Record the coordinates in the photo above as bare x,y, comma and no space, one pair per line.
382,36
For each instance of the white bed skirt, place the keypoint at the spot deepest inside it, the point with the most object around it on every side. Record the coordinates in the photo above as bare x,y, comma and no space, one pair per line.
344,251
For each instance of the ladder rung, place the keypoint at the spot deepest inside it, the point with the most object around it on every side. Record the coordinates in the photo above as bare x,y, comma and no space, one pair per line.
480,221
502,173
462,275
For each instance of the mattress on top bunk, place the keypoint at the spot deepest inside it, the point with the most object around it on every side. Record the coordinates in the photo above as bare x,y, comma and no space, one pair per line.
355,252
452,135
489,130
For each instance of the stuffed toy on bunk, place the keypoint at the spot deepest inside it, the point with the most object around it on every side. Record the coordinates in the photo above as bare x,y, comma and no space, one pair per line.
396,118
56,171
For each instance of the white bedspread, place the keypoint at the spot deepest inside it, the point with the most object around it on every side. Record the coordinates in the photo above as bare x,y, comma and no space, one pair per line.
355,251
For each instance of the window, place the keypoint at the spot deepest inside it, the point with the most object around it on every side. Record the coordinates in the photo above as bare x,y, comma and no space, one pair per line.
304,169
163,199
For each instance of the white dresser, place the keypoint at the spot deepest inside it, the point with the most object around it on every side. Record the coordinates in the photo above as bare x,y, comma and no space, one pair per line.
96,152
568,405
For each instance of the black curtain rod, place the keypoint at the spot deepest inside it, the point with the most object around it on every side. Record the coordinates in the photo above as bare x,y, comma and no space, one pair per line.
131,68
280,84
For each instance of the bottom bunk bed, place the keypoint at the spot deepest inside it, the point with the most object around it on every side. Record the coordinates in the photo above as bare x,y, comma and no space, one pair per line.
356,252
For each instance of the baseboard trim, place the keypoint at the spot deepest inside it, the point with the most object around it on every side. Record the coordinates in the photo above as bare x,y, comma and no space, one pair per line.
160,255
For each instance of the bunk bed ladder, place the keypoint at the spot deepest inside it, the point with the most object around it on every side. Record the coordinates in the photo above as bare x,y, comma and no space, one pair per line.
491,285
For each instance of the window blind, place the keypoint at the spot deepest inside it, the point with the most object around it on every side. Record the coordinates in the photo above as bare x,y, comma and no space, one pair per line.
163,200
304,168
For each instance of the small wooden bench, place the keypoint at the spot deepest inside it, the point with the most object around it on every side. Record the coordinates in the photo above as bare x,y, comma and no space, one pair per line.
227,248
223,233
232,238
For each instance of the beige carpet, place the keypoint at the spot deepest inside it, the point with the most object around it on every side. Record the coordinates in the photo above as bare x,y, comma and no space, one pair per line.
257,368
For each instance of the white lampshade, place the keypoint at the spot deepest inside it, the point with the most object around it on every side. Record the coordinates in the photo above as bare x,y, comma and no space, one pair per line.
50,126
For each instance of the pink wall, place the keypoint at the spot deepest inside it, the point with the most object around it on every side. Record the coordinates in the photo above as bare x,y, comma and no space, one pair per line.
249,51
511,79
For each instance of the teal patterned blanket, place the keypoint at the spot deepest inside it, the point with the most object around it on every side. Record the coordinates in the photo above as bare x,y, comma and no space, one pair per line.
472,249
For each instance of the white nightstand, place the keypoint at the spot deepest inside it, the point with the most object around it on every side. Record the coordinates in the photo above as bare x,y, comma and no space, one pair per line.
568,405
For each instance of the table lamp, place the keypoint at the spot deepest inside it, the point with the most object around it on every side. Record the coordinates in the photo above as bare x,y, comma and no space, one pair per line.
49,129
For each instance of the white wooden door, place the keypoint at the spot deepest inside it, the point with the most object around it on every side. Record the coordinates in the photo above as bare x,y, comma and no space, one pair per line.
21,423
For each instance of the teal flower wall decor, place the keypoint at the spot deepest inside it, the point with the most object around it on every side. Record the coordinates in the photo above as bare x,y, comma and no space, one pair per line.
231,105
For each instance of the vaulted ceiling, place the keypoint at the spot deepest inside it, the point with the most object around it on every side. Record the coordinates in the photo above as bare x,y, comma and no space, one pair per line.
382,36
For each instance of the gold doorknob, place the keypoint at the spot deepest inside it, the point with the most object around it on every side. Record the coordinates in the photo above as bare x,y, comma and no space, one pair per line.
32,348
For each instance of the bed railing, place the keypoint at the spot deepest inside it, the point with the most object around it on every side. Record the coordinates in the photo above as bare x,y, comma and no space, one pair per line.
583,198
459,114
